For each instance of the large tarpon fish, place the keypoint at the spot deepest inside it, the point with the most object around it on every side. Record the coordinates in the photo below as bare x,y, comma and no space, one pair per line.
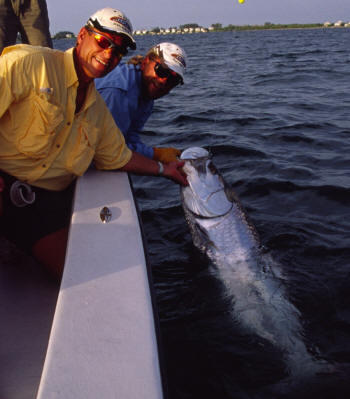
220,229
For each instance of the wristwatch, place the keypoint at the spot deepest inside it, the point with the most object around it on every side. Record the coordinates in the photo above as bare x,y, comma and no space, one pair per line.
160,169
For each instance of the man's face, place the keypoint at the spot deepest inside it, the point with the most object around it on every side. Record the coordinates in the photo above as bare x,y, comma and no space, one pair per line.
153,85
94,59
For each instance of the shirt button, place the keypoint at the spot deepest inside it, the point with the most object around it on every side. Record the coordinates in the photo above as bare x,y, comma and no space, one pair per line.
68,123
58,145
44,166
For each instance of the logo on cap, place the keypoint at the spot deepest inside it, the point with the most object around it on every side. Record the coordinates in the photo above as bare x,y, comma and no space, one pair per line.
122,21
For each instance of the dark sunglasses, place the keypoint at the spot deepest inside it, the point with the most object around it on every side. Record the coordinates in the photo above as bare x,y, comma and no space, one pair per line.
171,76
105,43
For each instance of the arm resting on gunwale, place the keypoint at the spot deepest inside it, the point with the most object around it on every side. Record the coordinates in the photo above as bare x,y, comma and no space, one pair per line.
141,165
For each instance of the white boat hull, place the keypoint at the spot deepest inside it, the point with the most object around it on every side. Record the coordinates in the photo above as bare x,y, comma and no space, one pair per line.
103,342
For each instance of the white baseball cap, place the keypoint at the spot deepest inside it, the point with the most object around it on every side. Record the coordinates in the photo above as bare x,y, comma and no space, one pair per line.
113,21
172,55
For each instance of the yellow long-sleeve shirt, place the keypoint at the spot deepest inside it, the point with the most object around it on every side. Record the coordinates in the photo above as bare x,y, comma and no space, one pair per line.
42,140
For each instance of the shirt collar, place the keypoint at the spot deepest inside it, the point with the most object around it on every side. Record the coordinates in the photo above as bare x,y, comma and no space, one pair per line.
69,67
72,78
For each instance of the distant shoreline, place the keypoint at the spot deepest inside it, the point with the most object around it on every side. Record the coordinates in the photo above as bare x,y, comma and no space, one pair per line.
194,28
199,29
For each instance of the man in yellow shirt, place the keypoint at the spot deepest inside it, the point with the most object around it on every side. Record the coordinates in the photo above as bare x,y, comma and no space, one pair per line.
53,124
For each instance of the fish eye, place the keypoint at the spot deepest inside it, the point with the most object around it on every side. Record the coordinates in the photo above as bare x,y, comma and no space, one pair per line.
212,168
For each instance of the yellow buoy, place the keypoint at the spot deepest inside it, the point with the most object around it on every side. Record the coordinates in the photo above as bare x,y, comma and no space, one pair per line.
241,1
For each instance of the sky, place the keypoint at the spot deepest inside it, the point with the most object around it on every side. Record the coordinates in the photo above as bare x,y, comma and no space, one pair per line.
71,15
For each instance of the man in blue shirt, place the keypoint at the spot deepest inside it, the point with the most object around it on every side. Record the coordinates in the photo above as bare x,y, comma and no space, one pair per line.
130,90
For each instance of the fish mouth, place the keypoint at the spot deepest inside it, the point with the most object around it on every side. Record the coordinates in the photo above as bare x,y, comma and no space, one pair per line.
195,153
197,157
205,195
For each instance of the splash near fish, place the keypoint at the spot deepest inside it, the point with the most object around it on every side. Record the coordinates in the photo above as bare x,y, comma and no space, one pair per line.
220,228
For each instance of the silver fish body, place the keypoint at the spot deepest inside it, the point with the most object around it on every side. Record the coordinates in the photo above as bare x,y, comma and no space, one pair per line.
219,225
220,228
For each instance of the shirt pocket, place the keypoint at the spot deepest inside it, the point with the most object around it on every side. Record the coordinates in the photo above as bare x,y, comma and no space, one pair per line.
35,127
83,150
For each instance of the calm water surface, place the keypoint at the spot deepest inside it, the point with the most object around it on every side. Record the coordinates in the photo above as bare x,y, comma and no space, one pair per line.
273,107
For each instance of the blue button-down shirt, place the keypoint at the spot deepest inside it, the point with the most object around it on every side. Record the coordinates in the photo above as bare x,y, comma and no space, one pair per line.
121,90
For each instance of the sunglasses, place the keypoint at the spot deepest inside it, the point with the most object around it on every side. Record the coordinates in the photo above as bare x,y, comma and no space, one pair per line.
172,77
105,43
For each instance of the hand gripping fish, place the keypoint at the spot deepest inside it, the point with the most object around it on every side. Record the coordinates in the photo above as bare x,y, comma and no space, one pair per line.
221,230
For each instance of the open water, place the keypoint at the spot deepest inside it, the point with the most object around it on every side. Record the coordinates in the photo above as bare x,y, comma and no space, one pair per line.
274,109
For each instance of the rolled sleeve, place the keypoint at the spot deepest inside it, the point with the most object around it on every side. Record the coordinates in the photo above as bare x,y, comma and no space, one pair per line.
111,151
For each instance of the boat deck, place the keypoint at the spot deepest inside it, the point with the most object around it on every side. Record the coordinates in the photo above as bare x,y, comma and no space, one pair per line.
27,304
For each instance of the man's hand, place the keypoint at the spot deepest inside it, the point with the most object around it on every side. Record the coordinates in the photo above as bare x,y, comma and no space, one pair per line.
165,155
173,171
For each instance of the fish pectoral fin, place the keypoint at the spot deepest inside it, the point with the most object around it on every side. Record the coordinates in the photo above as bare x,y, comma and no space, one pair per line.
201,239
